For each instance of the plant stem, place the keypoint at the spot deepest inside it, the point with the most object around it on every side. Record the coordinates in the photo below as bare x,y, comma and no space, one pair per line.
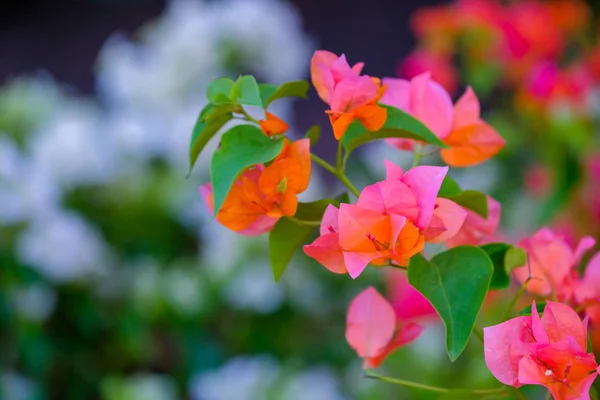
305,223
338,161
417,153
249,117
429,388
323,164
348,184
338,173
514,300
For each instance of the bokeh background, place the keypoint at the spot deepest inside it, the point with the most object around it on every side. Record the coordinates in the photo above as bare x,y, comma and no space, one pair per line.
114,282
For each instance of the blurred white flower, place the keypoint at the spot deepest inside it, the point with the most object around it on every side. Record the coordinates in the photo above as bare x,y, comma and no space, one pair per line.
253,288
183,290
73,148
319,383
221,248
242,378
144,282
304,290
62,247
17,387
267,35
140,387
34,302
25,192
27,101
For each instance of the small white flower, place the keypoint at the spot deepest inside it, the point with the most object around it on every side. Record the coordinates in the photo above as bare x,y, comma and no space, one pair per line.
63,247
34,302
253,288
74,150
242,378
318,383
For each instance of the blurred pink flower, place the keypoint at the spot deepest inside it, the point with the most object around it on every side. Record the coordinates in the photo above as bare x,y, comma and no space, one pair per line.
372,329
548,351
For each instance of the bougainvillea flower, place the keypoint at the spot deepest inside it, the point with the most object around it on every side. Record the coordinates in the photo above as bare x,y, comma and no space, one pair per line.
272,125
551,260
389,223
239,212
477,230
548,351
424,99
357,99
440,66
262,195
408,303
569,15
327,70
326,248
372,329
285,177
447,220
586,289
349,95
471,141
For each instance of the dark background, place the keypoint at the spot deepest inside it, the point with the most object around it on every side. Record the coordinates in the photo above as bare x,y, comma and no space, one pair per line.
63,36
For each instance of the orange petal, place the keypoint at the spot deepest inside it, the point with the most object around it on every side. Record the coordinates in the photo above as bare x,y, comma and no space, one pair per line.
238,212
340,123
472,145
372,116
288,169
285,207
299,151
273,125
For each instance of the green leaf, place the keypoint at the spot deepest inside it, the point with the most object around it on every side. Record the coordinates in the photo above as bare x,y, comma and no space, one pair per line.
218,91
241,147
497,253
246,91
449,187
266,91
211,111
203,132
284,240
288,236
314,134
473,200
313,211
455,282
398,124
515,257
289,89
540,306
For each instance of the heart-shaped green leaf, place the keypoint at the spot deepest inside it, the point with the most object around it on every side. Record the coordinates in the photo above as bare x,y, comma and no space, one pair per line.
497,253
205,129
266,91
455,282
219,90
472,200
246,91
449,187
398,124
314,134
514,257
241,147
